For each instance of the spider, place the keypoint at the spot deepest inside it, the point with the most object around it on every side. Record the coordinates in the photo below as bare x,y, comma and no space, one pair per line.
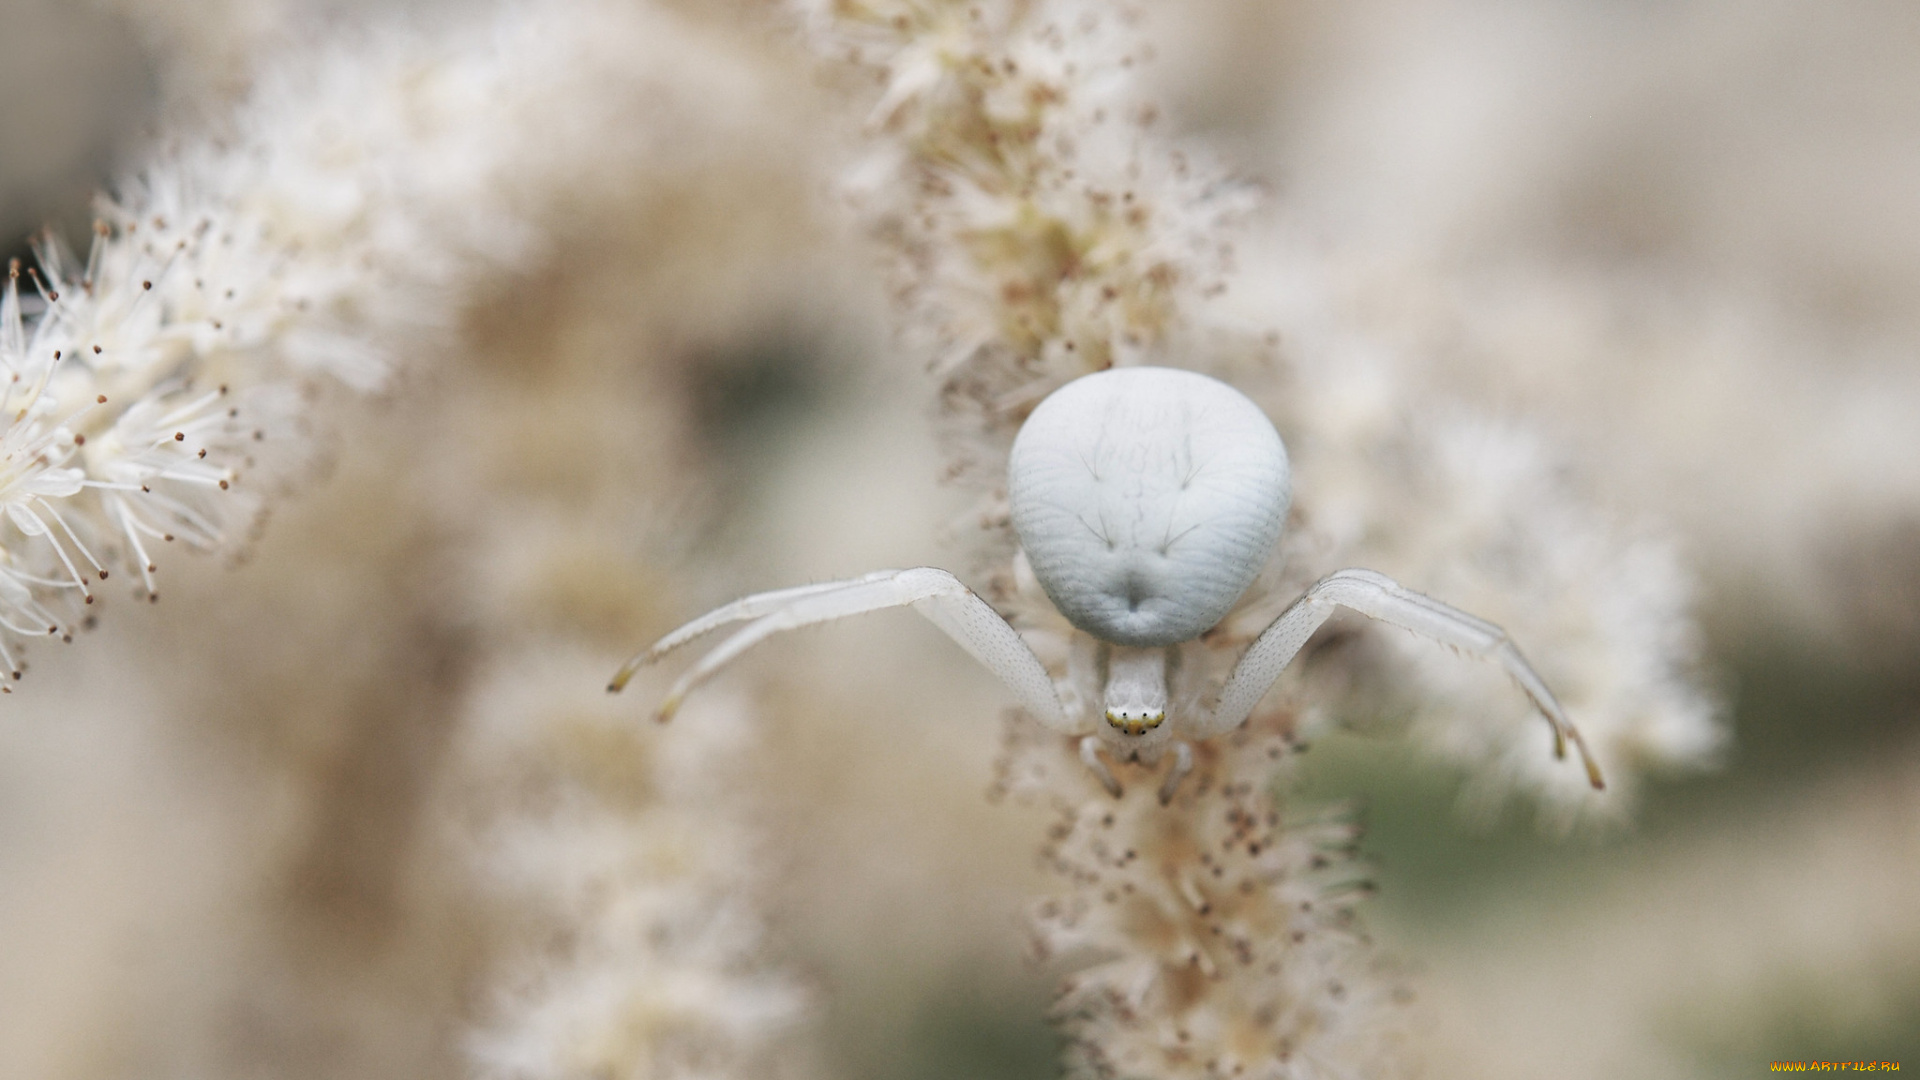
1146,500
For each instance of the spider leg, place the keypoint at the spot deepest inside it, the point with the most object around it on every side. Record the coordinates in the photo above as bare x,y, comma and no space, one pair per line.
751,607
1090,757
1182,765
1380,597
934,593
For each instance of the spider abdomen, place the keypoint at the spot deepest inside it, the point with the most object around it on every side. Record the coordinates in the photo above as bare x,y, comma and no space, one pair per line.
1147,500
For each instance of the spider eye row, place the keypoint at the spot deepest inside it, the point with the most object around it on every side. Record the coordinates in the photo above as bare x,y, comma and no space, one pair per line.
1132,723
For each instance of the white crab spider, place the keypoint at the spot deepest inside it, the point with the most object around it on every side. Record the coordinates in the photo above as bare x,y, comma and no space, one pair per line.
1146,501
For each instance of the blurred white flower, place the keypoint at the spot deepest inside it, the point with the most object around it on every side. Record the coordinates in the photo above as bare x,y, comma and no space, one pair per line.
1045,225
1219,934
211,298
318,243
312,239
628,853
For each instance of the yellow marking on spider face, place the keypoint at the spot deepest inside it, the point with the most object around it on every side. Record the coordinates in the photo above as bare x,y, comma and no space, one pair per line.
1135,725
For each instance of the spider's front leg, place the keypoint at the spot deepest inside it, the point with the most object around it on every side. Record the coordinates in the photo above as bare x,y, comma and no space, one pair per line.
1380,597
934,593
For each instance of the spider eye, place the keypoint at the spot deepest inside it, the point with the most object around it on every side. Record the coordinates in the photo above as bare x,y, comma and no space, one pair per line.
1133,722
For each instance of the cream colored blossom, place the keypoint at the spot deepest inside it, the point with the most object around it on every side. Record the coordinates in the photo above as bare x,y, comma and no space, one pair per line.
629,852
1044,224
307,243
1220,934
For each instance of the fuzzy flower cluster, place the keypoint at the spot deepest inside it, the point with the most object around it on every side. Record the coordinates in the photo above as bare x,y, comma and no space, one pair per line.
1043,226
1223,932
138,384
1048,232
164,387
157,389
1042,229
1396,470
630,863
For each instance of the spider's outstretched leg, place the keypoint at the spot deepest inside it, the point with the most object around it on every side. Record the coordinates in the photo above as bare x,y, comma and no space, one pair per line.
1380,597
934,593
751,607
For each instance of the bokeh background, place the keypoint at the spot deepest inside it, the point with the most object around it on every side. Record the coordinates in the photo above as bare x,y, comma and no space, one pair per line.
237,828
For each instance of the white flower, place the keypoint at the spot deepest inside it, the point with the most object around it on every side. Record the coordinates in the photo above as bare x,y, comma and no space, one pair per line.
1043,226
628,853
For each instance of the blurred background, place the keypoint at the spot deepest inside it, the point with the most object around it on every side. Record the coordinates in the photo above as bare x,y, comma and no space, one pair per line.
236,827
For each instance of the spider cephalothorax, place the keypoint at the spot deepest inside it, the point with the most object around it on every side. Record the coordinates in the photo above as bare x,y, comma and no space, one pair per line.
1146,501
